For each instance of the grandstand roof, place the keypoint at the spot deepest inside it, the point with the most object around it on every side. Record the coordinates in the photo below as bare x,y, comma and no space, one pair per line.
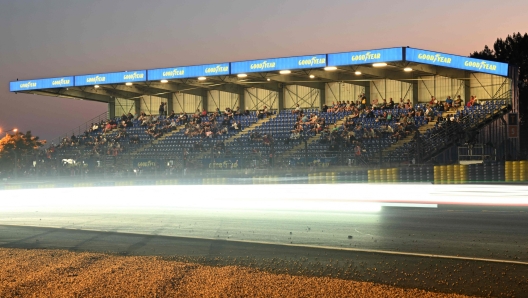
358,67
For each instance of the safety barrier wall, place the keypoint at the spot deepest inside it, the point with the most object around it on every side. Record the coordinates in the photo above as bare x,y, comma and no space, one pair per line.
495,172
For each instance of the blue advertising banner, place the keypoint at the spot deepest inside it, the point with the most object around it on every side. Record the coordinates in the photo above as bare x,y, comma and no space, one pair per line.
276,64
465,63
41,84
188,71
365,57
111,78
220,163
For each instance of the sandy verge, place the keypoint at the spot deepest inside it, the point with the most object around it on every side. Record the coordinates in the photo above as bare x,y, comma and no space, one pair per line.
60,273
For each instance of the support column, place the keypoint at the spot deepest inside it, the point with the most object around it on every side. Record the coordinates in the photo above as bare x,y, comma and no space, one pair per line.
170,103
111,108
137,105
467,89
241,99
415,93
281,97
367,93
322,97
205,101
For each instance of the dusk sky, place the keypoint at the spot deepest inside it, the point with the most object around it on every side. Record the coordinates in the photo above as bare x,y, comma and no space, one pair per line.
58,37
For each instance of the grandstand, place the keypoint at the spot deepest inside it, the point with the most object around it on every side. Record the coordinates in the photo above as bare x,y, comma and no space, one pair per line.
368,109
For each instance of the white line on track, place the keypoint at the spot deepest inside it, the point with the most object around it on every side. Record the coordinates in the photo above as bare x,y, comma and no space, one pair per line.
377,251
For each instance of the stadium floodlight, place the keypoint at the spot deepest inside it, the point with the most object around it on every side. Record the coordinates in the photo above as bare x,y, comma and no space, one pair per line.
241,75
202,78
357,73
268,79
407,69
312,76
330,68
96,86
381,64
164,81
128,83
285,71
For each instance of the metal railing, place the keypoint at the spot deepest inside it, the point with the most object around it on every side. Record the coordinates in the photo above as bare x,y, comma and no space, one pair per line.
80,129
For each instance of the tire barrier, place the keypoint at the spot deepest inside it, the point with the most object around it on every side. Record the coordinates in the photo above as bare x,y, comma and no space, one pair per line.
516,171
450,174
508,171
523,174
394,175
391,175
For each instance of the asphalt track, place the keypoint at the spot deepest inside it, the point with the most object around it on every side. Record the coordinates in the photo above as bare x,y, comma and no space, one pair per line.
476,251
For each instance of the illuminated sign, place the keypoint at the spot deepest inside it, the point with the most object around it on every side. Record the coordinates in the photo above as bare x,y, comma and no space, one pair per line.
188,72
146,163
41,84
220,163
276,64
111,78
465,63
365,57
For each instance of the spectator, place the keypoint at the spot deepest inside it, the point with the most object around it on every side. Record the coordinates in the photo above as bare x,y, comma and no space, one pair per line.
429,113
449,102
433,100
470,102
263,113
236,125
458,102
297,109
162,109
390,105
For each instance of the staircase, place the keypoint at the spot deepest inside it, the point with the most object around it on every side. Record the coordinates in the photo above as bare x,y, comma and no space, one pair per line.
311,140
444,139
244,132
422,129
178,128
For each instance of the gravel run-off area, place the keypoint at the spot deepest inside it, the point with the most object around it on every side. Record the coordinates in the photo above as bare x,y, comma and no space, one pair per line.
61,273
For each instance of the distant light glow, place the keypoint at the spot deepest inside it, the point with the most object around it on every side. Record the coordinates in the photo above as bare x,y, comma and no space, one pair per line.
330,68
241,75
407,69
358,73
285,71
128,83
164,81
96,86
381,64
225,198
202,78
268,79
312,76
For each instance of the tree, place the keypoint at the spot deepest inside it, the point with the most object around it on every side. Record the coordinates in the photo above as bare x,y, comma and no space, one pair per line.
14,147
513,50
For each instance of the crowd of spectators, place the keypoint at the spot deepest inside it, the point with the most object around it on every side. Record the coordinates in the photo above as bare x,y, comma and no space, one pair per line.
210,125
106,137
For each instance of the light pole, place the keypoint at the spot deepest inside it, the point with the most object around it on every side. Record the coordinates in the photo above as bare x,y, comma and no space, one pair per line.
14,129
